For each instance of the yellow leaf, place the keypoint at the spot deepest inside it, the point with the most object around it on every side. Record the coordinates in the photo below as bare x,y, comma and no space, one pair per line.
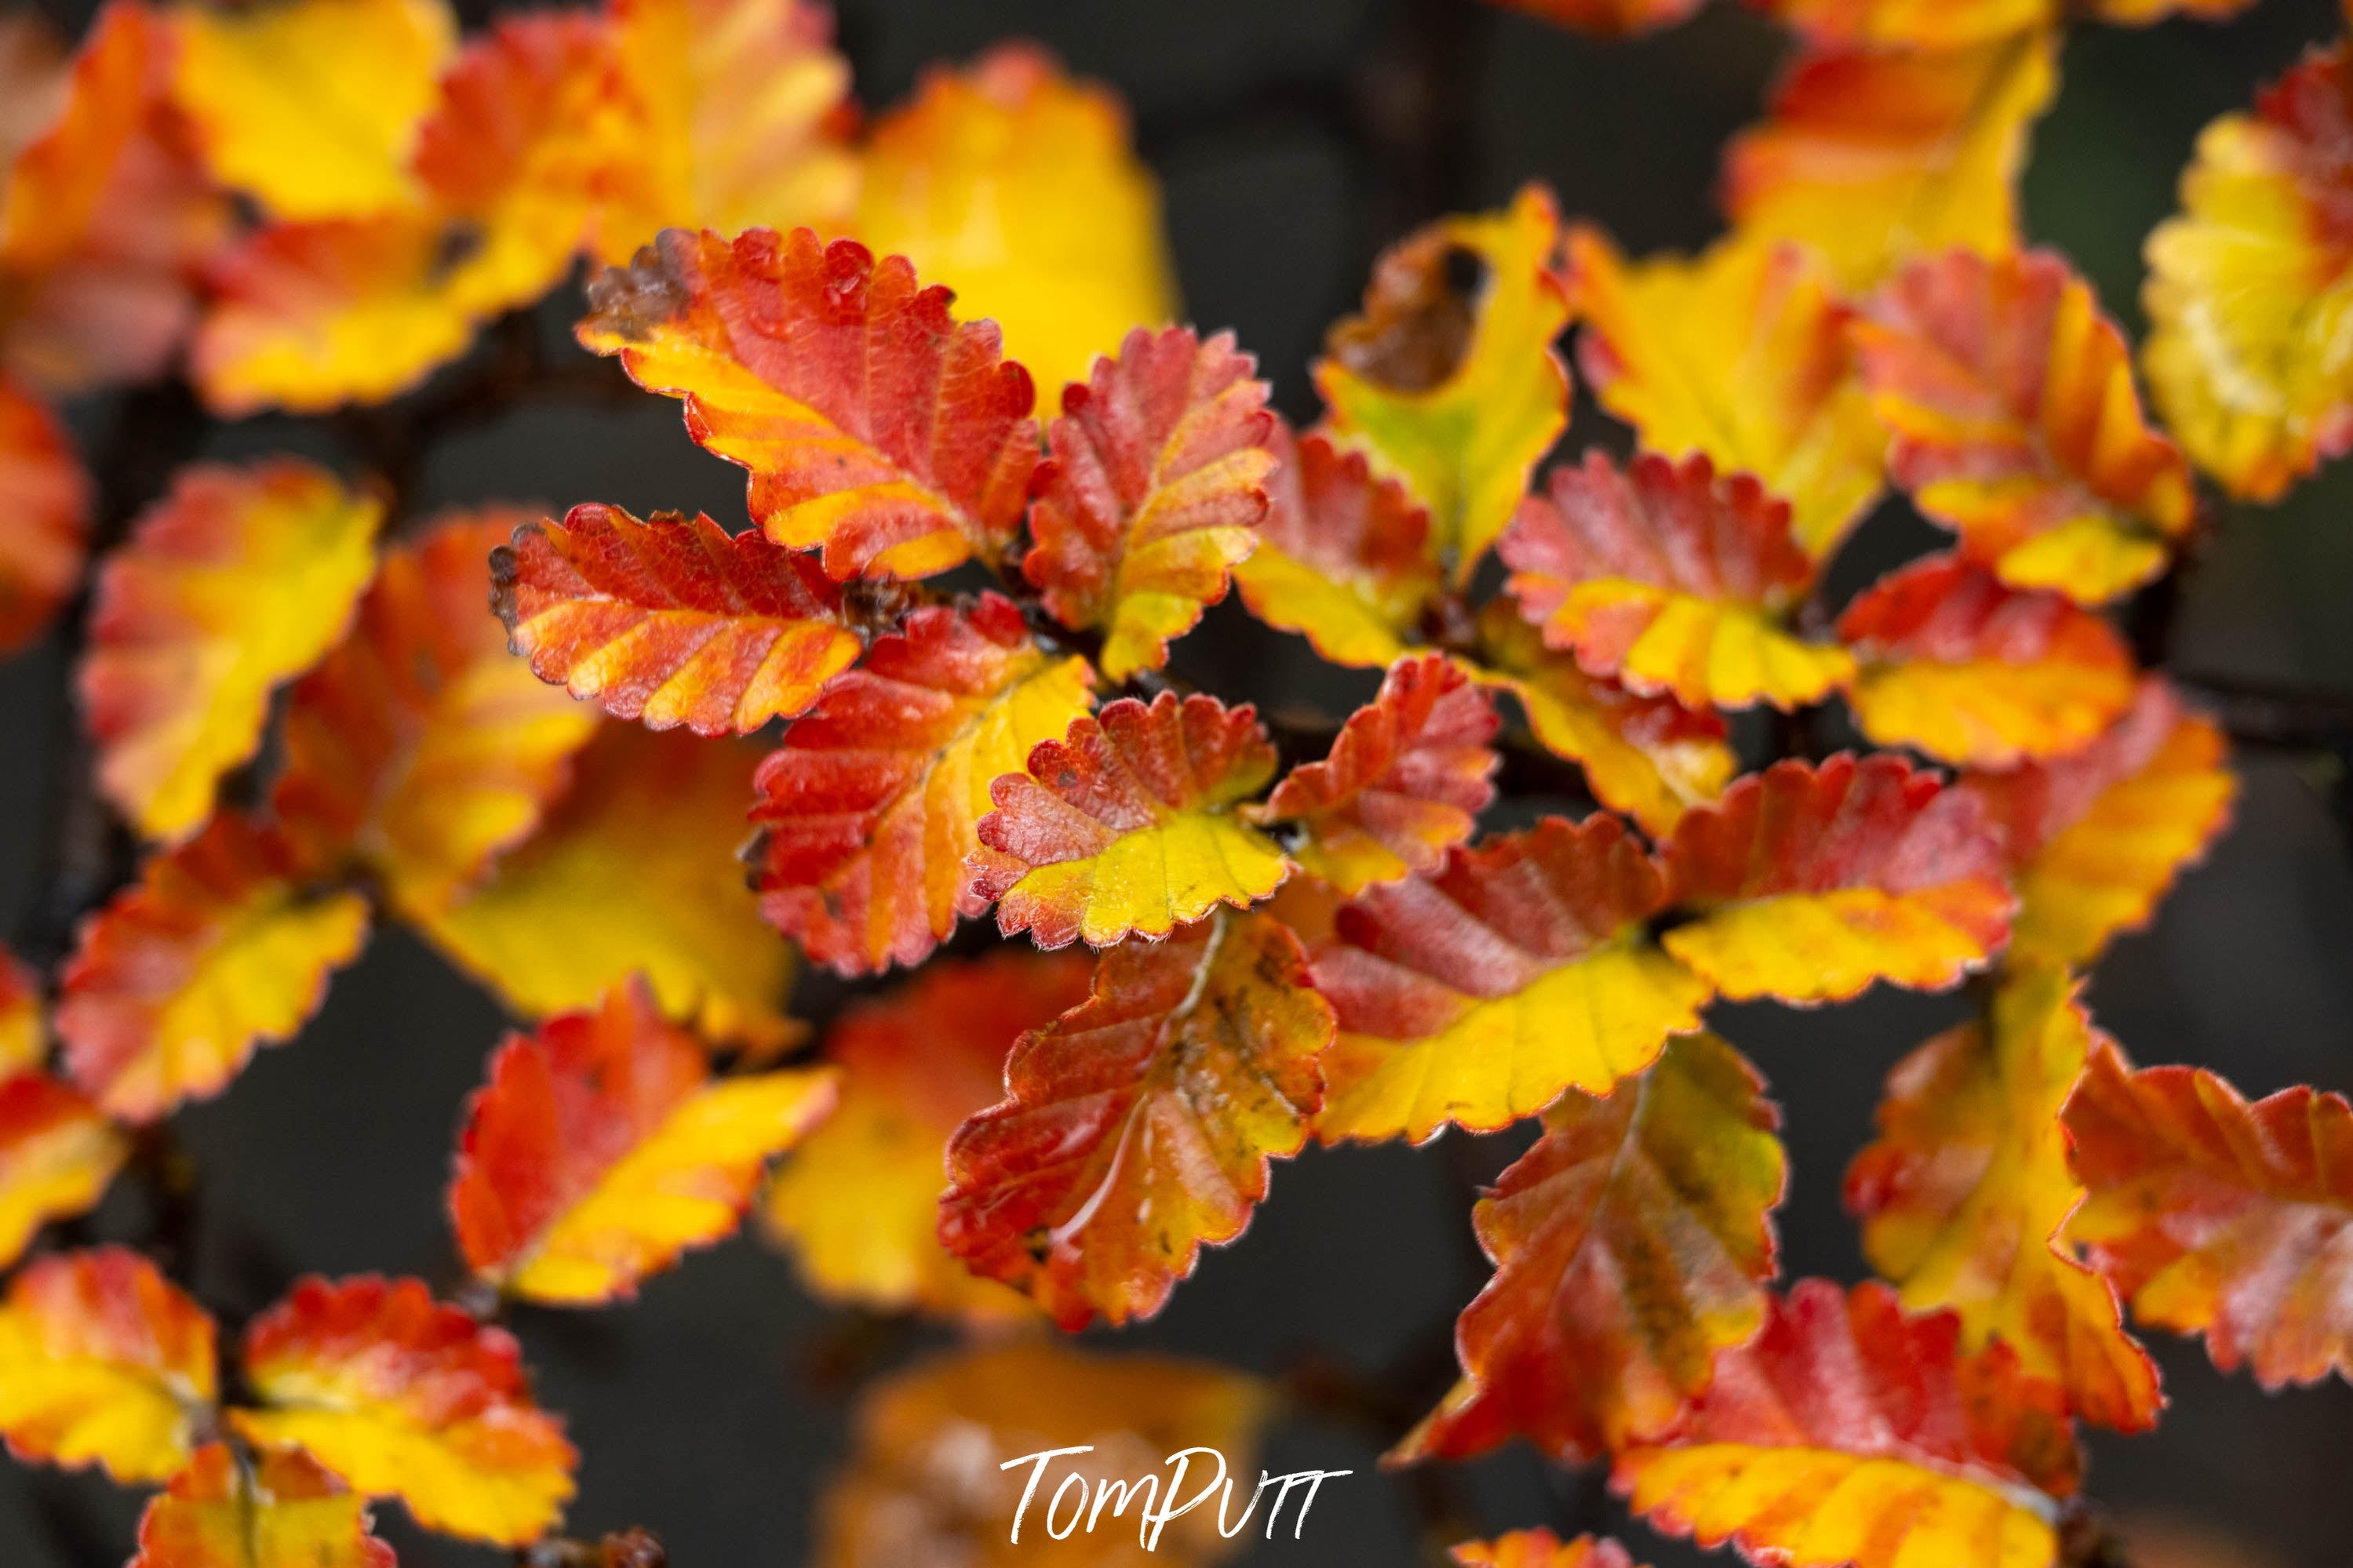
58,1154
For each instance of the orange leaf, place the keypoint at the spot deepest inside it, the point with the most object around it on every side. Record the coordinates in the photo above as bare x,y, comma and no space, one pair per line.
1343,556
58,1154
1922,23
1876,157
1742,354
1129,824
237,580
1541,1549
1138,1127
1153,488
222,945
2220,1217
1630,1245
1961,668
1477,994
402,1397
420,748
873,424
2095,838
1848,1433
1670,580
869,810
602,1148
858,1201
1963,1194
671,621
281,1511
1808,883
2016,424
1405,781
42,548
103,1361
24,1043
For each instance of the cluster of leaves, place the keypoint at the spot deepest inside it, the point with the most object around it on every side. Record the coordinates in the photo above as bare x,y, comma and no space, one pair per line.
1240,939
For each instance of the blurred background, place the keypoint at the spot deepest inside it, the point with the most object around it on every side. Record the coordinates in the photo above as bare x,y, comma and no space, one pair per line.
1292,139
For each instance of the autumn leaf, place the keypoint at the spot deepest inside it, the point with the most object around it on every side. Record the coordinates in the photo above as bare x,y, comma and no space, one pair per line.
873,424
1405,781
1877,156
1920,23
867,811
1541,1549
104,1362
420,748
1153,489
282,1510
1016,186
1630,1244
602,1148
2095,838
223,944
1343,555
1449,380
49,496
1849,1433
1963,1194
1136,1128
594,896
1648,757
1809,882
312,107
1519,969
671,621
1671,581
1129,824
1954,664
2016,425
2216,1216
237,580
23,1042
858,1201
58,1154
2250,287
400,1396
1740,354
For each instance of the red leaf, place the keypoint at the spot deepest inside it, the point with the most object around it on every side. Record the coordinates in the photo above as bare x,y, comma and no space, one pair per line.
48,503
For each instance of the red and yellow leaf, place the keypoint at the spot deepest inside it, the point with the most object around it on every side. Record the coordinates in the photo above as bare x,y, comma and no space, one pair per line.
2216,1216
1477,994
421,748
1630,1244
1916,23
1449,380
1969,671
24,1041
104,1362
2094,838
58,1153
283,1510
1963,1196
223,944
1612,19
867,811
1809,882
633,872
237,580
1541,1549
603,1148
1740,354
2016,424
1848,1433
1671,581
1343,555
1130,826
1877,156
1405,781
402,1397
1138,1127
873,424
1015,185
858,1201
42,549
1154,488
671,621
